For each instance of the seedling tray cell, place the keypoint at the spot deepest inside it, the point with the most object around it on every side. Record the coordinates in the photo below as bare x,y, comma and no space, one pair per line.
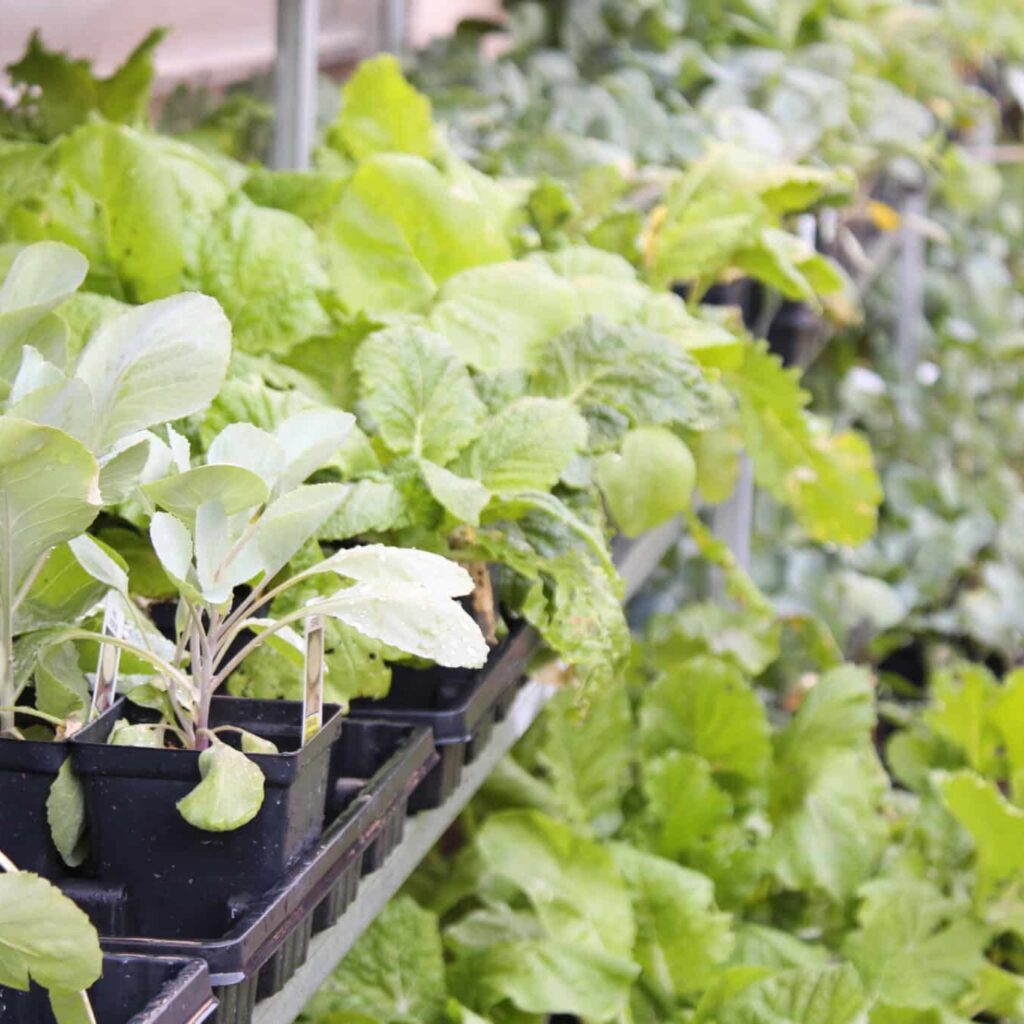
133,990
270,940
459,706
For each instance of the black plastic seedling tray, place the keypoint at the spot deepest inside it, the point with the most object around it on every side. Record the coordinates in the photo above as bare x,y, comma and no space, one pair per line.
133,990
459,706
376,767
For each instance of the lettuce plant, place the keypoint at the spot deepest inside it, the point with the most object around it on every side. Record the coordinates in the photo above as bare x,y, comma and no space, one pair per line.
76,437
225,532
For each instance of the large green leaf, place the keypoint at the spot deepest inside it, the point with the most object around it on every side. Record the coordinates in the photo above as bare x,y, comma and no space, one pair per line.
650,480
913,946
44,937
640,374
154,363
394,974
420,397
829,481
382,113
264,267
410,617
995,825
706,707
571,881
62,93
526,446
41,277
682,937
181,494
828,995
65,812
400,230
482,314
49,493
538,976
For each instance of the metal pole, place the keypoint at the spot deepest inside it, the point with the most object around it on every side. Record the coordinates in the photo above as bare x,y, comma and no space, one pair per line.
733,523
298,25
394,18
910,298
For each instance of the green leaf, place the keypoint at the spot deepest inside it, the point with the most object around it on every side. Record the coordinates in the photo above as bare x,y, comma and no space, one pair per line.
400,230
41,277
309,439
49,493
61,687
829,481
382,113
62,592
264,267
289,521
482,314
571,882
419,395
685,801
65,812
828,995
995,825
706,707
44,936
526,446
682,938
587,757
463,498
648,481
230,794
378,563
154,363
826,788
913,946
63,93
747,636
541,975
367,506
181,494
411,618
645,376
172,544
965,710
394,974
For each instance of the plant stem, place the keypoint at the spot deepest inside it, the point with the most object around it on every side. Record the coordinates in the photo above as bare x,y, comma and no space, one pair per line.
201,673
7,694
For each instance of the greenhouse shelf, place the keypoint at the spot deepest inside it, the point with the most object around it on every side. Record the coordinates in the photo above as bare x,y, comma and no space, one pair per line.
636,560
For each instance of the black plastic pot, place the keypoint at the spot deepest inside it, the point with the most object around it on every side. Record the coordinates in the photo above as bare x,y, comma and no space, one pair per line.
182,881
133,990
793,332
460,707
27,771
261,950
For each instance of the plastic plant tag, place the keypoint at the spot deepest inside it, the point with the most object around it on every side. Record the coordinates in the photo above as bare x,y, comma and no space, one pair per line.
313,695
108,662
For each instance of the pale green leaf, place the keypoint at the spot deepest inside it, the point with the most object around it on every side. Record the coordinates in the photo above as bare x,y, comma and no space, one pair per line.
648,481
526,446
155,363
419,396
65,812
230,794
44,936
382,113
181,494
462,497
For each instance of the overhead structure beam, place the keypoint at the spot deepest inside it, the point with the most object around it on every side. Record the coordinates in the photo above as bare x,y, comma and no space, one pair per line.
295,83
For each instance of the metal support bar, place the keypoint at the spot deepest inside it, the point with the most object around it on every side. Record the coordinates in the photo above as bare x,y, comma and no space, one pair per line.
424,830
910,298
421,834
733,522
393,25
295,92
